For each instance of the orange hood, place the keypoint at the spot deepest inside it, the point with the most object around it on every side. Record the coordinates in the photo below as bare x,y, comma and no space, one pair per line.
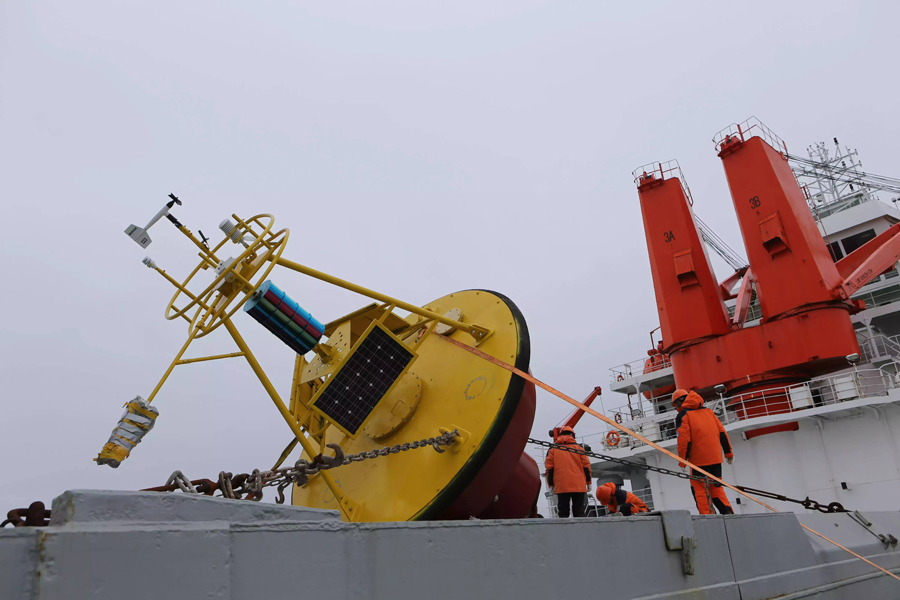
693,401
605,491
566,436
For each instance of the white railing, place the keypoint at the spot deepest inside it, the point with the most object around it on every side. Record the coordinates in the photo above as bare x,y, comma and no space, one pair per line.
824,391
645,495
661,171
885,295
836,206
878,348
753,313
639,367
750,128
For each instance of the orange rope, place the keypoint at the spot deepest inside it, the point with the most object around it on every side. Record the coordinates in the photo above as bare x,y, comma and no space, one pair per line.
637,436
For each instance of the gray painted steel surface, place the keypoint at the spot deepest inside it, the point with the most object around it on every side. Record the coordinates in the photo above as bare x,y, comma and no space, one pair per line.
147,545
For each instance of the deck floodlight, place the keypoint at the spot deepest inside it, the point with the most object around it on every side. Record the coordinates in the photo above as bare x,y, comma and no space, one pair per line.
719,389
853,359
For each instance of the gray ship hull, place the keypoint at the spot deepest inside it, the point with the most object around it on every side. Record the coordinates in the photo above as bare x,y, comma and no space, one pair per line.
147,545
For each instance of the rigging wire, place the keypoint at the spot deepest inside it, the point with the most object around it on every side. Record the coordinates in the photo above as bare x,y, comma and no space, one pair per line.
537,382
833,507
844,174
728,254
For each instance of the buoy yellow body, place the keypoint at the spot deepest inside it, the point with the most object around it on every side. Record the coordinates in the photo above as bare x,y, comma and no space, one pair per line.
445,389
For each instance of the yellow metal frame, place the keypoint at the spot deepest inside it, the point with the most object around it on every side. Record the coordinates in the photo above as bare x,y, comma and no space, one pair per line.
346,360
220,300
459,391
213,301
478,333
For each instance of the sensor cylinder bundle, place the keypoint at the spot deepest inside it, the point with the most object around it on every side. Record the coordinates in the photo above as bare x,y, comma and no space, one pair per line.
275,311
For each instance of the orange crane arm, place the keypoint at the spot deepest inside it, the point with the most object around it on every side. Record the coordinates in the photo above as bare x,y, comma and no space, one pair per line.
869,261
573,419
729,283
576,416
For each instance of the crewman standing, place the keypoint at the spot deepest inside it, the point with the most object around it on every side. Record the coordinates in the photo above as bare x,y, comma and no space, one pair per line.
702,439
568,474
617,499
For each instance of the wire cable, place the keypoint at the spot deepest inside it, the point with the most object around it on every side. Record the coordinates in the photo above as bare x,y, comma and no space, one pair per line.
607,420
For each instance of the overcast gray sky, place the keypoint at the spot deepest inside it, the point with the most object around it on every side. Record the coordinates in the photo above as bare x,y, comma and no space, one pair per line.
506,131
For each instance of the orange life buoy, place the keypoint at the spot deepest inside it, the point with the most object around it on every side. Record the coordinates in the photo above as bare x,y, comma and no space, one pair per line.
619,378
612,438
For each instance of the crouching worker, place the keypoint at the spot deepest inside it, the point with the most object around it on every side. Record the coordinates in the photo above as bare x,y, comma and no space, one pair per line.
702,439
620,500
568,474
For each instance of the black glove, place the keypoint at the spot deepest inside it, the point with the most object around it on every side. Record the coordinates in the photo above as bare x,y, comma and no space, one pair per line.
626,509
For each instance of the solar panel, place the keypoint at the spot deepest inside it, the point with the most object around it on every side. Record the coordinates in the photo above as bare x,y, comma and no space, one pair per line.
371,369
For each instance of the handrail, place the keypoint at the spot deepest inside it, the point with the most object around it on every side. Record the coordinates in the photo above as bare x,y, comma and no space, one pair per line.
880,297
821,391
877,347
639,366
662,171
750,128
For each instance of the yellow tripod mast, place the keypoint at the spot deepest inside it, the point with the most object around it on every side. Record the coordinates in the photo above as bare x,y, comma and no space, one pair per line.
234,281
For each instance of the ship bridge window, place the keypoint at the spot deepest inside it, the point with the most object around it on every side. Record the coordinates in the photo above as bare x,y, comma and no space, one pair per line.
835,249
855,241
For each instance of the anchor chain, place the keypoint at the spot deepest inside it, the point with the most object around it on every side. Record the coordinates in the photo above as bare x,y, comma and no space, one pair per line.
36,515
807,503
621,461
250,486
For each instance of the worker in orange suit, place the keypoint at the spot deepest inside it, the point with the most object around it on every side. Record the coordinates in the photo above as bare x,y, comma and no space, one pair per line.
702,439
568,474
617,499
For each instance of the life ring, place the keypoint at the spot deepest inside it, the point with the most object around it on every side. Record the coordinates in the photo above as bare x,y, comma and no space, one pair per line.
612,438
618,419
619,377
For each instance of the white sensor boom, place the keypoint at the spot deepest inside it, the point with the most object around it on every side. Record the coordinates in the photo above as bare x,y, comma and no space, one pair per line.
139,234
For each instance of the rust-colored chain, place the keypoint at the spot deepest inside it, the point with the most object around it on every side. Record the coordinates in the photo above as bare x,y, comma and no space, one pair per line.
36,515
250,486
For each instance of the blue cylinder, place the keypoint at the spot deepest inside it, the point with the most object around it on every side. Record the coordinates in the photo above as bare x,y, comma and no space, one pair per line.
275,311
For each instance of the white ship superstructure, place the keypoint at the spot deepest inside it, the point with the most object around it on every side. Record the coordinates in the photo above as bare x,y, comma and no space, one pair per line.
833,438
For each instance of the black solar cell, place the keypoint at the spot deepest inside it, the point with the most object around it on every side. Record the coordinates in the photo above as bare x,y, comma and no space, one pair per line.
359,385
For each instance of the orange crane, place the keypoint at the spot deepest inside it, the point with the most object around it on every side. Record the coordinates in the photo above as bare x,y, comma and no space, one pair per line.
803,294
575,417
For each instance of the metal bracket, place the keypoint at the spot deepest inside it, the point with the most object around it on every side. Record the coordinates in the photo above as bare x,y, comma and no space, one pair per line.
678,528
459,441
325,352
354,509
887,539
687,555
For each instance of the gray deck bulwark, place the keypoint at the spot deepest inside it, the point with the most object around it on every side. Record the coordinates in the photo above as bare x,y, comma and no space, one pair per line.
150,545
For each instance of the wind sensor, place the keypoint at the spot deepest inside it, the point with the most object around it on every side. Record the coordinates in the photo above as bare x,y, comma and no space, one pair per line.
140,235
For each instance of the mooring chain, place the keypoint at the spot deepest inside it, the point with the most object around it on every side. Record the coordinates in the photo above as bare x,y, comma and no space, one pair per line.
250,487
183,483
621,461
833,507
807,503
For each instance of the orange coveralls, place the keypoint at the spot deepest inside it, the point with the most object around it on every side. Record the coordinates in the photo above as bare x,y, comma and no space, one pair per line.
702,439
612,495
568,473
